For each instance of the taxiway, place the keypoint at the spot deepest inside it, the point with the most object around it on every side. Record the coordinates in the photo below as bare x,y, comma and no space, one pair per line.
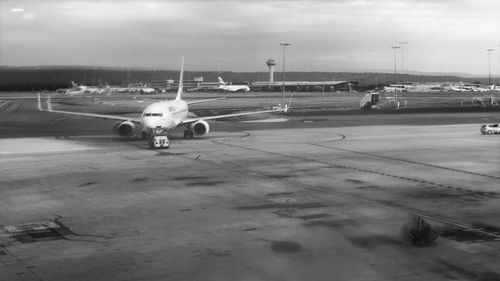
312,198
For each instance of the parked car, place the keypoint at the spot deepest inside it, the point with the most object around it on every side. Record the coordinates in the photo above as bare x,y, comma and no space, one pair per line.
490,129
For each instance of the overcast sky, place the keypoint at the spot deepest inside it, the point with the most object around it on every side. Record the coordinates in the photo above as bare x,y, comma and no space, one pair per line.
239,35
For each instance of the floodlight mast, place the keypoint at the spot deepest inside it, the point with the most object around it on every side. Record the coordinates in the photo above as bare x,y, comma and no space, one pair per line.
283,44
489,65
402,55
395,70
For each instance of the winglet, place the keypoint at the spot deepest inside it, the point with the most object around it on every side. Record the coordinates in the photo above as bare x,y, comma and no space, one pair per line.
179,92
49,105
221,82
39,103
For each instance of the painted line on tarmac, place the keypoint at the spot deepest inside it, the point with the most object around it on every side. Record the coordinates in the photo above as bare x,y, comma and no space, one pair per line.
358,198
276,120
408,161
3,103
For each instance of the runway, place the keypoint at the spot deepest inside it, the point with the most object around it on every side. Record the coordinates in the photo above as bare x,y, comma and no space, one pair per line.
328,197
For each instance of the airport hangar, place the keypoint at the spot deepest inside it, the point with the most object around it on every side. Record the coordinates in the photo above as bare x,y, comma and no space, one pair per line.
300,86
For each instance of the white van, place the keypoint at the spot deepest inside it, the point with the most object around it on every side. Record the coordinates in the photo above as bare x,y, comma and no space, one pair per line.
159,142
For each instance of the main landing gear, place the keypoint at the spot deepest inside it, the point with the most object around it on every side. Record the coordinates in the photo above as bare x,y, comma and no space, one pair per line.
188,133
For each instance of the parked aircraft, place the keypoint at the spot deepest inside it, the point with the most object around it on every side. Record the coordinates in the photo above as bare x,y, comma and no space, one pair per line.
161,116
79,89
139,88
396,88
232,88
456,89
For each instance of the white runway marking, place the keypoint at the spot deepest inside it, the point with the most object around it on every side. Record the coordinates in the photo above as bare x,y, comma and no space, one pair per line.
276,120
4,103
39,145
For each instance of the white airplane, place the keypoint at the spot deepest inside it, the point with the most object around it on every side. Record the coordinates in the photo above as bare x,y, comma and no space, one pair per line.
457,89
78,89
139,88
232,88
396,88
161,116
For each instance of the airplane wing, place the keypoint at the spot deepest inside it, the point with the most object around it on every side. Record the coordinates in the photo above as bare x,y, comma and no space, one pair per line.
192,120
188,102
200,101
94,115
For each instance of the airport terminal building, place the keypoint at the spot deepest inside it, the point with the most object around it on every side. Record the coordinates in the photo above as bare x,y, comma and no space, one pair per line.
300,86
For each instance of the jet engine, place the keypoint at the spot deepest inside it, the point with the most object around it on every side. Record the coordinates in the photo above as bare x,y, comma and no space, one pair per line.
124,129
200,128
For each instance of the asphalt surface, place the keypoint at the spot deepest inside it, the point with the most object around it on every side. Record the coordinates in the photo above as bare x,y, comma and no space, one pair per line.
325,195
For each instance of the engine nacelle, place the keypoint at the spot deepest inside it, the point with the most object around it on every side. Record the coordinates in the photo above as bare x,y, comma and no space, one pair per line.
124,129
200,128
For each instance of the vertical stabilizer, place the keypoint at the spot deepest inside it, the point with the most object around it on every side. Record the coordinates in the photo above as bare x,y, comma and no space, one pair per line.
221,82
179,91
49,104
39,103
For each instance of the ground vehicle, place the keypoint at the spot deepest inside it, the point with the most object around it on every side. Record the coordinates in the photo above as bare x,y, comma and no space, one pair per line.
159,142
159,139
490,129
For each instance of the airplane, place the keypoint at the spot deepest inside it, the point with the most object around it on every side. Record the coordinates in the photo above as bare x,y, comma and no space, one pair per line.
457,89
161,117
140,88
79,89
232,88
479,89
396,88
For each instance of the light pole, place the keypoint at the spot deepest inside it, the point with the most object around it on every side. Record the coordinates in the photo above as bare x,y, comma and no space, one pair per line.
402,56
489,65
283,44
498,83
395,70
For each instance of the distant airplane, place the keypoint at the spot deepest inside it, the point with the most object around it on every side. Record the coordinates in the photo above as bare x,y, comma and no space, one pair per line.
232,88
161,117
457,89
479,89
79,89
396,88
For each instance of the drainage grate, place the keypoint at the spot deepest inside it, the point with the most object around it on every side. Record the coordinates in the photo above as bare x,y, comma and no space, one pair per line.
37,231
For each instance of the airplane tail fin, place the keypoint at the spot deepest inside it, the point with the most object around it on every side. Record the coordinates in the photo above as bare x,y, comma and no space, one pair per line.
73,84
39,103
49,104
179,91
221,82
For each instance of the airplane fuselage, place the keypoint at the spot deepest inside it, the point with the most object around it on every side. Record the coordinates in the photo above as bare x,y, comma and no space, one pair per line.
164,114
235,88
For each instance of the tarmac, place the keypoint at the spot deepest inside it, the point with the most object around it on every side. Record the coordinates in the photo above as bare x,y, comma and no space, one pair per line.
332,197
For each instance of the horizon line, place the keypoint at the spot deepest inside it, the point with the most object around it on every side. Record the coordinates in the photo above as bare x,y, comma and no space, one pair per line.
149,68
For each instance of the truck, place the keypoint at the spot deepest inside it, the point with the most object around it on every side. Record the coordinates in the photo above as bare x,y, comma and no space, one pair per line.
370,101
159,139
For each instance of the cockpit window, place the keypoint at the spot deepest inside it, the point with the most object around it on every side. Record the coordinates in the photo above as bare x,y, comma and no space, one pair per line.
154,114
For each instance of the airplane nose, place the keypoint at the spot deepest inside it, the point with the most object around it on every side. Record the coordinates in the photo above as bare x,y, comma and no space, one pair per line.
149,123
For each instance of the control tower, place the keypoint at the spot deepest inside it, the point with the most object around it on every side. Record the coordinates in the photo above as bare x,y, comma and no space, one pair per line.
271,63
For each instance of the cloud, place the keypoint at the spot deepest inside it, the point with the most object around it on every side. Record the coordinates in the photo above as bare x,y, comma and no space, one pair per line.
240,35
